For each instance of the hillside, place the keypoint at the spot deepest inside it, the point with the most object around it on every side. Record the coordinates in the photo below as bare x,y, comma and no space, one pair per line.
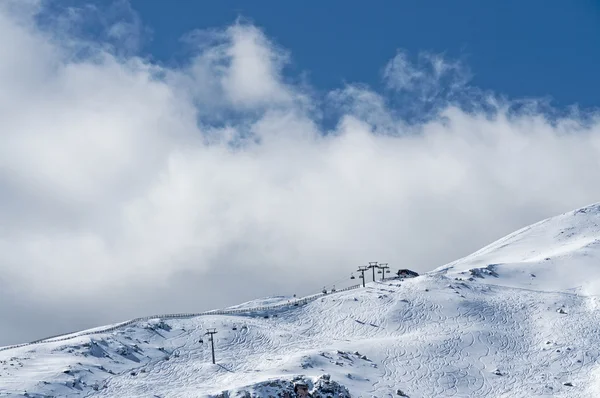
561,253
496,331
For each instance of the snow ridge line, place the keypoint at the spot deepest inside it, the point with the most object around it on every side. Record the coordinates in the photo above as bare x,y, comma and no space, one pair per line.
68,336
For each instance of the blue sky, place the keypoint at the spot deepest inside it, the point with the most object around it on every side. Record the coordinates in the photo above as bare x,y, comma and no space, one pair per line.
152,148
532,48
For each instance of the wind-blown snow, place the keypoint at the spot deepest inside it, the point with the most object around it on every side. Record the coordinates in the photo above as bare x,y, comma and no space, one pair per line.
495,331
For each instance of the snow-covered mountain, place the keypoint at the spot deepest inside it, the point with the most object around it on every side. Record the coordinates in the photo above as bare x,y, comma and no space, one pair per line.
516,319
561,253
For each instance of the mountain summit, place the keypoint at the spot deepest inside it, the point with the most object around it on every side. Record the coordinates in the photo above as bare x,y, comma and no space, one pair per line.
514,319
561,253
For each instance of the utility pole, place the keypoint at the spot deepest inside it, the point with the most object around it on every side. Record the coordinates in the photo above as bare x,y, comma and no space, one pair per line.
211,332
362,269
384,267
373,265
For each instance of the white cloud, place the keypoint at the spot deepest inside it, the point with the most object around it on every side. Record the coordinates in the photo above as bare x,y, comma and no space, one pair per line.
129,188
426,79
237,69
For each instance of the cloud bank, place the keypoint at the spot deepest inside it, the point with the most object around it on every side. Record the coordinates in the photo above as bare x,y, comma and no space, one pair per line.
129,188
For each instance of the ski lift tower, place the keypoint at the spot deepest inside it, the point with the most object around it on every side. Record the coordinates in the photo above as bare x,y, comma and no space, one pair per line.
212,332
385,268
373,265
362,269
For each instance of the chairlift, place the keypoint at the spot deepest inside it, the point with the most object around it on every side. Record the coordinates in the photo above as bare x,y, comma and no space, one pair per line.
333,289
324,291
379,272
360,276
200,341
352,276
387,271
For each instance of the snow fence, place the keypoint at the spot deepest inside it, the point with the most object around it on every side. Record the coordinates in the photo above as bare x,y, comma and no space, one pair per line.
67,336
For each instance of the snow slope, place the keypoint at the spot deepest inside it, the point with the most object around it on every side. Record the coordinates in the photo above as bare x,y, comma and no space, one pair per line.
504,334
561,253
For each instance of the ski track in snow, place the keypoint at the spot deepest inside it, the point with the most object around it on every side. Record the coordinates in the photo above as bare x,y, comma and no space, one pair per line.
518,328
447,341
